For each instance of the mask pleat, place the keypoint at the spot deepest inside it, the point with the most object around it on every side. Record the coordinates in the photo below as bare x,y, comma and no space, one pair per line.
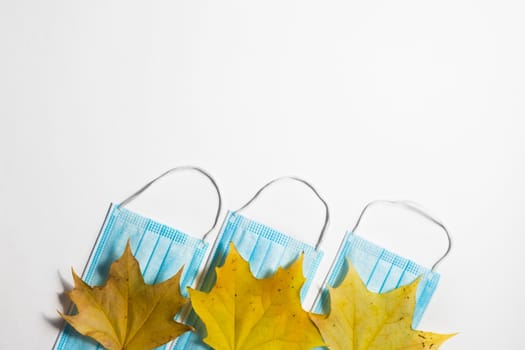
380,267
272,259
387,259
160,263
396,271
258,258
411,272
366,254
191,269
145,249
247,243
72,340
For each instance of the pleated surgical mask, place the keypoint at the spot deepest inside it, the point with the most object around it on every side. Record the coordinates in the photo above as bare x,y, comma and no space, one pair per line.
160,250
380,269
265,248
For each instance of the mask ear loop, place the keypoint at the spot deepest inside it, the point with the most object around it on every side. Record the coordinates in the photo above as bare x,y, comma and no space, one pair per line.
178,169
294,178
414,207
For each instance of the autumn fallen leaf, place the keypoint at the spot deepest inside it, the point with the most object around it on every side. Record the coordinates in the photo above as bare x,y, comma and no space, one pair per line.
363,320
242,312
126,313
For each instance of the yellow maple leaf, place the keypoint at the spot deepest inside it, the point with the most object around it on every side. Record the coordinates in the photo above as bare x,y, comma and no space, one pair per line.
126,313
363,320
242,312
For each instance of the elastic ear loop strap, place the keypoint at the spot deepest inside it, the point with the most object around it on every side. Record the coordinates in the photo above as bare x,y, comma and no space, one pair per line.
294,178
177,169
414,207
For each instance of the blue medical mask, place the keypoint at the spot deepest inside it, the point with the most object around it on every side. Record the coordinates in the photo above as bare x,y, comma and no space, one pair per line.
265,248
160,250
380,269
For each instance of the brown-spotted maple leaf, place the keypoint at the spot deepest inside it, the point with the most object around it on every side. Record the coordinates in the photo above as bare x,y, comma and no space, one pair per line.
243,312
126,313
363,320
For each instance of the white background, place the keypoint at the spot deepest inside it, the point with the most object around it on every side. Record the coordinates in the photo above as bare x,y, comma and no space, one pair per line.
420,100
